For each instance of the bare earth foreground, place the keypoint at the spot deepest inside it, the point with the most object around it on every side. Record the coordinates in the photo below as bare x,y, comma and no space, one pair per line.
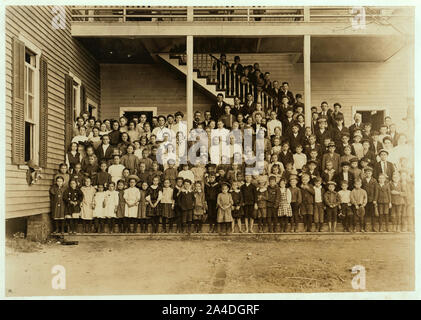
249,265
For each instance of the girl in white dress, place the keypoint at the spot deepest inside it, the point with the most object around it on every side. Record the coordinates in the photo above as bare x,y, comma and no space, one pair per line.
111,205
116,169
132,197
99,209
86,212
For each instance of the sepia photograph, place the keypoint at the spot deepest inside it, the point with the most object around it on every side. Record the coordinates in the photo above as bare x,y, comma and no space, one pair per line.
216,149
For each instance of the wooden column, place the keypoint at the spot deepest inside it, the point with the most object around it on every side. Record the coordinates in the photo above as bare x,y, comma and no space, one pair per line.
307,79
189,85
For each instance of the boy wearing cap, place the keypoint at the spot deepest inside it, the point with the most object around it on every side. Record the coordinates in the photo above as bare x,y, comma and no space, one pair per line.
332,202
322,131
355,171
359,201
357,147
384,202
344,143
345,175
186,203
331,156
370,185
312,170
296,200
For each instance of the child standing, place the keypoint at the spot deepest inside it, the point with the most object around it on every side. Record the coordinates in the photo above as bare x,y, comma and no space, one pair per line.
102,177
307,192
73,200
318,213
249,192
200,206
62,172
224,203
346,210
111,205
99,209
167,203
142,209
132,198
116,169
285,210
177,209
77,175
58,205
129,160
122,225
212,189
171,172
384,202
186,202
398,201
296,200
237,211
332,201
359,201
272,204
154,198
87,207
262,197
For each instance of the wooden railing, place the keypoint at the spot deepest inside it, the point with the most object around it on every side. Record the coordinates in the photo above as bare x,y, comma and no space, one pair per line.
253,14
227,80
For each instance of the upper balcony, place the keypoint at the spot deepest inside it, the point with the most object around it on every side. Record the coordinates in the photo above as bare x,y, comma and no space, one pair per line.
148,21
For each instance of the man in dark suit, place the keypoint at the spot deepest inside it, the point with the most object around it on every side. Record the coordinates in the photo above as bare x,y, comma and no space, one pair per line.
370,185
275,92
218,108
208,119
376,145
384,166
237,107
286,93
294,137
357,124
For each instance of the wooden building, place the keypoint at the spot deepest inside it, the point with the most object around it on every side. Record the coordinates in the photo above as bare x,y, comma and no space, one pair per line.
109,61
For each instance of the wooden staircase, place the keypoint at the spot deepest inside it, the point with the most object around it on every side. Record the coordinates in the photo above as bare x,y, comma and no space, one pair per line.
204,80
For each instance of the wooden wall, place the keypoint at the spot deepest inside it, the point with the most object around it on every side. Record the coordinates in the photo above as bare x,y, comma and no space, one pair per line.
145,85
352,84
64,54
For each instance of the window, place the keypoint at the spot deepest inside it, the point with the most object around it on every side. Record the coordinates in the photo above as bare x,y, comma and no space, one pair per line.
31,105
76,97
92,108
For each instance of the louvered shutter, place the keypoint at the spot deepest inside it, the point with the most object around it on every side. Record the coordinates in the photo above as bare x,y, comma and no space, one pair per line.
18,106
43,114
68,105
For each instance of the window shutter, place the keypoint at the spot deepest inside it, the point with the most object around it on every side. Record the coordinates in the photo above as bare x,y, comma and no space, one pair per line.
18,107
43,114
68,105
83,98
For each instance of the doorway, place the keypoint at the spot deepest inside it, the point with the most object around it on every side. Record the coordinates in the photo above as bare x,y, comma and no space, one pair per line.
374,115
130,114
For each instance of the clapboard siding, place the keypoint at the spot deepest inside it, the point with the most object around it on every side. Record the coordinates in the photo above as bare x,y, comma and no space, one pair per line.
145,85
377,84
64,54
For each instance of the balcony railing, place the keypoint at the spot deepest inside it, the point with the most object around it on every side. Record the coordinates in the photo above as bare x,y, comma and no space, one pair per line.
255,14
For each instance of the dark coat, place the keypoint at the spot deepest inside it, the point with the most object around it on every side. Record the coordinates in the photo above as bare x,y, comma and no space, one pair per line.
249,194
372,189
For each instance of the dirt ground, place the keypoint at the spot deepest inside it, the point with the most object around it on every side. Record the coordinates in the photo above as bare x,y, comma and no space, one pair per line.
211,266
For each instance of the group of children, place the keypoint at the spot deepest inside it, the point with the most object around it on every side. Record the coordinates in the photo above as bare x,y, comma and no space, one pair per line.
112,178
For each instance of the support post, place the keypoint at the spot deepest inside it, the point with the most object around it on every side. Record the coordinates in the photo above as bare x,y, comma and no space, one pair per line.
189,85
307,79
